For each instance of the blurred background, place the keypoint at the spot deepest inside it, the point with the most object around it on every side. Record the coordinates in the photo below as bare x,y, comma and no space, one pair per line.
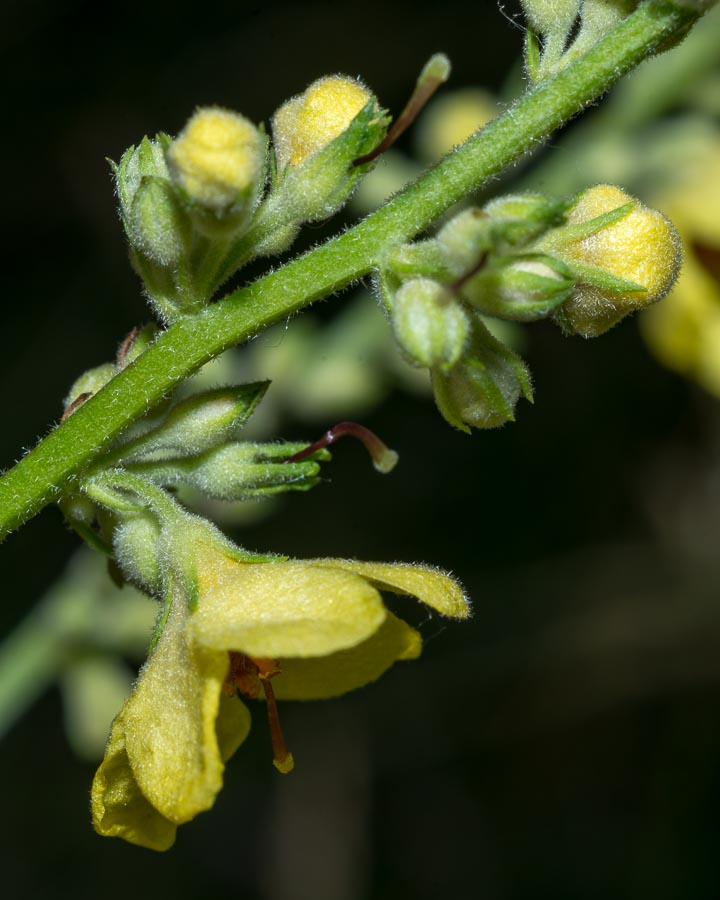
565,743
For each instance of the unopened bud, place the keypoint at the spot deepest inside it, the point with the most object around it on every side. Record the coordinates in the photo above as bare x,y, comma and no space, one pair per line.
90,382
624,265
547,17
429,324
196,424
158,225
521,289
310,121
481,391
318,137
465,238
238,471
147,160
137,551
218,159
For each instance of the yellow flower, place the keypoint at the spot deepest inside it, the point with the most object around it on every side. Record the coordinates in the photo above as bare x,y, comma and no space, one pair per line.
317,628
684,330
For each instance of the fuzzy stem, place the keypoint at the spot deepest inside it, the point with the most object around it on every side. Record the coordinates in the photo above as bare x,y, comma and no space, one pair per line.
56,461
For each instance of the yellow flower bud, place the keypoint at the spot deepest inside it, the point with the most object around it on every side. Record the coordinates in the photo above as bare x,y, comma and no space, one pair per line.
218,158
310,121
641,247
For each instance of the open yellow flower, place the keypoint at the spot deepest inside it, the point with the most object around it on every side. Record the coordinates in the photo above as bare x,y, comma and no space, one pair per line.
317,628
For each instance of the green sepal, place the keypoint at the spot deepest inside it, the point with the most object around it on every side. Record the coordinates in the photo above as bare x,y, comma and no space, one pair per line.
465,238
570,234
427,258
123,493
508,288
194,425
161,285
532,56
602,279
520,219
430,326
481,391
136,548
158,226
239,471
145,160
82,516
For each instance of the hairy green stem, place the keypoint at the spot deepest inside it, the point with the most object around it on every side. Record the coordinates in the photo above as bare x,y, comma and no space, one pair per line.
50,468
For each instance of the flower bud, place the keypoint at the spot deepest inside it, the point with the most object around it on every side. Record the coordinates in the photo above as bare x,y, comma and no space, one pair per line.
318,136
547,17
623,255
196,424
238,471
90,382
465,238
310,121
481,391
429,324
218,160
147,160
521,289
137,550
158,225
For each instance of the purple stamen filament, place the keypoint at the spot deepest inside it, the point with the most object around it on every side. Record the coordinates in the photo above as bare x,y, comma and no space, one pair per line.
384,459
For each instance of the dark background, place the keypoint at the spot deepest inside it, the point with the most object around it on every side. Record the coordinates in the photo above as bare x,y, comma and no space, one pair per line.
563,744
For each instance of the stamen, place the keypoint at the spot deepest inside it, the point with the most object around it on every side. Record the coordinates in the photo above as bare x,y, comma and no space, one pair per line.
77,402
282,758
435,72
384,459
246,675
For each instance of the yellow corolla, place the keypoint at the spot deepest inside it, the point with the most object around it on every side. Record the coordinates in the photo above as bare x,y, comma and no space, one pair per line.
286,629
310,121
218,157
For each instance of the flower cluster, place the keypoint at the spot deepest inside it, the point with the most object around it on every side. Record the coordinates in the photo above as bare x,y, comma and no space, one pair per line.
199,207
586,262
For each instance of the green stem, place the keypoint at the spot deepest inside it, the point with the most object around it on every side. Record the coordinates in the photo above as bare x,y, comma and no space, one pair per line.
50,468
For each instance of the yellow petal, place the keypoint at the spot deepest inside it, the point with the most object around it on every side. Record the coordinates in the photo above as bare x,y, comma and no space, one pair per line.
119,808
170,722
283,609
232,725
338,673
432,586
